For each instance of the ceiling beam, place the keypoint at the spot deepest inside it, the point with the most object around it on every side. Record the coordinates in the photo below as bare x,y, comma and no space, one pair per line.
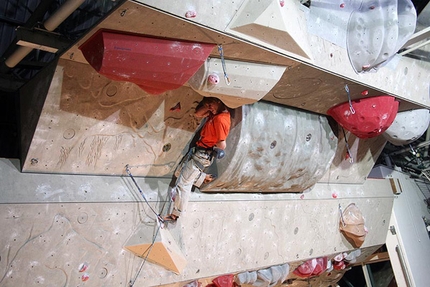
41,39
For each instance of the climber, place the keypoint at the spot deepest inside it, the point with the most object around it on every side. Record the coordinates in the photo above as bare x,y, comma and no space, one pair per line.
211,145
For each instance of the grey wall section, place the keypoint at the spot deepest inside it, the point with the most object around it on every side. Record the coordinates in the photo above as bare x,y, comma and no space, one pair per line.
43,188
48,239
32,99
274,148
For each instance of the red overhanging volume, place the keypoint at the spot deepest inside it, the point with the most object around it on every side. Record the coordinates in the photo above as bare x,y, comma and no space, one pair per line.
368,117
156,65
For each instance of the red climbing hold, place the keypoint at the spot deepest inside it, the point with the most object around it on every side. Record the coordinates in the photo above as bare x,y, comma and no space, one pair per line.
155,65
311,267
371,118
85,277
224,281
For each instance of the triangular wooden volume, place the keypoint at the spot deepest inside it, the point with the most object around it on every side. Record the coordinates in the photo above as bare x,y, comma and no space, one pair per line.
164,252
270,22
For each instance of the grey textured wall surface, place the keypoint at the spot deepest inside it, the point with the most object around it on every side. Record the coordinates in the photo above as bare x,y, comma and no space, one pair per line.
274,148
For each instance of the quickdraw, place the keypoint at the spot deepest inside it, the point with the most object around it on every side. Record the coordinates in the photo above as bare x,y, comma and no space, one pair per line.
221,53
349,99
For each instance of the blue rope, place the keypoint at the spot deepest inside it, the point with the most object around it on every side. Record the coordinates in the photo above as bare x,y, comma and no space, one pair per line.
127,169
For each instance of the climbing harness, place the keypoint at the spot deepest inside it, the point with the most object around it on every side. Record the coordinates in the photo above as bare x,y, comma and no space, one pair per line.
127,169
349,99
348,151
221,53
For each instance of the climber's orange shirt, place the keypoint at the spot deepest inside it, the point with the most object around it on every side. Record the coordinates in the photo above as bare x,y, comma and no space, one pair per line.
214,130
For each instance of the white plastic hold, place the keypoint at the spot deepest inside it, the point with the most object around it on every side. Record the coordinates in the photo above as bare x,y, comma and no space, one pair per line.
352,256
250,82
407,127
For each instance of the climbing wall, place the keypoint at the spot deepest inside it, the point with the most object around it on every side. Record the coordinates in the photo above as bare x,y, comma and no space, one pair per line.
75,232
93,125
274,149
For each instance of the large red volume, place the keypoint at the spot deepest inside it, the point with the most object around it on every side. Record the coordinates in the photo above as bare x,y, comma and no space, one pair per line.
371,118
156,65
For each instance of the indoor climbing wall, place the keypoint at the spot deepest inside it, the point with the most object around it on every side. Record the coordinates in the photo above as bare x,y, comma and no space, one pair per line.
93,125
354,158
325,36
73,230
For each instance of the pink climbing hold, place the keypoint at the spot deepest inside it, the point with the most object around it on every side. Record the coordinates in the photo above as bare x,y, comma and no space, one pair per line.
282,3
347,155
311,267
339,257
339,265
334,195
342,5
85,277
83,267
302,196
224,281
191,14
365,67
176,108
213,79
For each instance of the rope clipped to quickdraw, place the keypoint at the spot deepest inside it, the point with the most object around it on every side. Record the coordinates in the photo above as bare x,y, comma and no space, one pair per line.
349,99
348,151
221,53
127,169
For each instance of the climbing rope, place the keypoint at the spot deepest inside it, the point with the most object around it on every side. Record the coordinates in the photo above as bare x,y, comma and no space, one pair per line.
160,219
127,169
132,281
221,53
348,151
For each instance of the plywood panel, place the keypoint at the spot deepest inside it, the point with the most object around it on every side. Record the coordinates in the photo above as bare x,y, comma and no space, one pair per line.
134,18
